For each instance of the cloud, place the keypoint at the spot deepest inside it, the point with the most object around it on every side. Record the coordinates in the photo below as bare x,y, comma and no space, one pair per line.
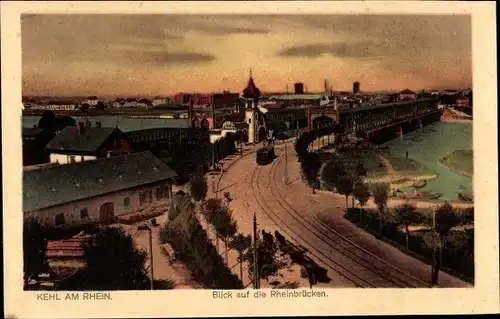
365,49
161,58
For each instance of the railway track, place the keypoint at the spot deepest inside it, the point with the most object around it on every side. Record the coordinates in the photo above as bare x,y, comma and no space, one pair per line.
379,272
296,238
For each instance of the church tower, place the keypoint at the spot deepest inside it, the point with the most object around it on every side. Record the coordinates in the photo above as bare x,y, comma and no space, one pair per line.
251,95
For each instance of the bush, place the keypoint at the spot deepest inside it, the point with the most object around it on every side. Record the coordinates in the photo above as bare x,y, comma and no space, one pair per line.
191,244
457,257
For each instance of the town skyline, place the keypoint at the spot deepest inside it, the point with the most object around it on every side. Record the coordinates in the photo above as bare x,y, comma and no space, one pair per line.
145,55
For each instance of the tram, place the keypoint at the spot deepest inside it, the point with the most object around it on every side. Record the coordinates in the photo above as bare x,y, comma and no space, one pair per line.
266,154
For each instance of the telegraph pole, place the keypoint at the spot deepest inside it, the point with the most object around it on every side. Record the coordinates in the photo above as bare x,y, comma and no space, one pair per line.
255,255
286,166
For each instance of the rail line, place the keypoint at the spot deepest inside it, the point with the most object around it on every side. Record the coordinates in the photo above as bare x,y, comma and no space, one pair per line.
293,236
360,257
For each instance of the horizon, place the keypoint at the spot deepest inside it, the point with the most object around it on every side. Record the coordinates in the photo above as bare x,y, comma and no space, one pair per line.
162,55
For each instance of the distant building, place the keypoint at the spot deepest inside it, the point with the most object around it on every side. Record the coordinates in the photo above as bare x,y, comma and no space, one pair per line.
61,105
130,102
299,88
225,99
158,100
142,103
79,143
92,100
355,87
462,102
301,99
97,191
407,95
118,103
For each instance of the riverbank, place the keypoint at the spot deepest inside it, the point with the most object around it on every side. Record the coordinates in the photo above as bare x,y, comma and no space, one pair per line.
460,162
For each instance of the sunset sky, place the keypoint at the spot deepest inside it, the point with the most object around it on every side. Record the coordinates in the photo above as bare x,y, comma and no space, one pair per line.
120,55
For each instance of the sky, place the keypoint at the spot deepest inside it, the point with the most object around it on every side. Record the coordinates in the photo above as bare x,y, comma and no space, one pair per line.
130,55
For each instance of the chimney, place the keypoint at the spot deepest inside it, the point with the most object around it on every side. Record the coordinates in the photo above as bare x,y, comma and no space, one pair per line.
98,124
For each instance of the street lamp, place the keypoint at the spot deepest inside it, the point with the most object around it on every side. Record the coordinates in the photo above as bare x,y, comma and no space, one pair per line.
145,227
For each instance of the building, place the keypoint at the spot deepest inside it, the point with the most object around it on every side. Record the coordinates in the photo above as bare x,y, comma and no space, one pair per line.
34,141
61,105
299,88
83,143
301,99
96,191
159,100
118,103
225,99
91,100
407,95
143,103
355,87
130,102
462,102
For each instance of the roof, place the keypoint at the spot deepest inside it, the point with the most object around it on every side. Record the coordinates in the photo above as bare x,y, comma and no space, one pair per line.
273,106
296,97
92,98
251,91
69,139
407,91
66,183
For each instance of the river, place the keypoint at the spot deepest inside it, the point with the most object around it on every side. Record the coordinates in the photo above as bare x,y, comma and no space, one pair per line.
428,146
125,124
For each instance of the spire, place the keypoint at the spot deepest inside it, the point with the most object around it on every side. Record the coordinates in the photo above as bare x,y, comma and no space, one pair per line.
251,91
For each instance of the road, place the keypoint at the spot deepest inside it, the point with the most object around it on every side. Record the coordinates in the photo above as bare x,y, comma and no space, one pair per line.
352,257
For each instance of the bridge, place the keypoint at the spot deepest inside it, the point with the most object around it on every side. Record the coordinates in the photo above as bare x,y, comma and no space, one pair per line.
377,120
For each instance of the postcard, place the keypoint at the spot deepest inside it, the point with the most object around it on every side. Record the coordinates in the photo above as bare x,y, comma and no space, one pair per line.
249,158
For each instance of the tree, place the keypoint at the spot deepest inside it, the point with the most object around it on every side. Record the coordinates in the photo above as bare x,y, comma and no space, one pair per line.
211,210
85,107
360,171
100,106
445,220
225,225
34,249
199,188
269,261
241,243
310,166
344,186
48,121
406,215
362,194
113,261
380,194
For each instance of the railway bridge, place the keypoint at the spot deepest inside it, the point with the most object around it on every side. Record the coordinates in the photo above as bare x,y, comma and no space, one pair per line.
380,122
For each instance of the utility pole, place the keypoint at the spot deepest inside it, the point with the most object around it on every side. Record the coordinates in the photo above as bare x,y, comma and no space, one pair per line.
150,252
255,255
286,166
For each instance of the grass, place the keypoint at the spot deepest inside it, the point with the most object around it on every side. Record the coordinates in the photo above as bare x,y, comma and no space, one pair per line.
462,268
408,167
370,160
460,161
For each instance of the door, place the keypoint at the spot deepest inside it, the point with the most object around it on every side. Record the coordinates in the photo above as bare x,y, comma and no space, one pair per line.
107,212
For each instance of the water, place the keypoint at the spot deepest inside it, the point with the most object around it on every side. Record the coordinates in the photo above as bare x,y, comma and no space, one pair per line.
428,146
123,123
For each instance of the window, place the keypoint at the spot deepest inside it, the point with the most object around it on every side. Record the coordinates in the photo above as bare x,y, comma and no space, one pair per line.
60,219
84,213
72,159
126,201
249,121
162,192
81,158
